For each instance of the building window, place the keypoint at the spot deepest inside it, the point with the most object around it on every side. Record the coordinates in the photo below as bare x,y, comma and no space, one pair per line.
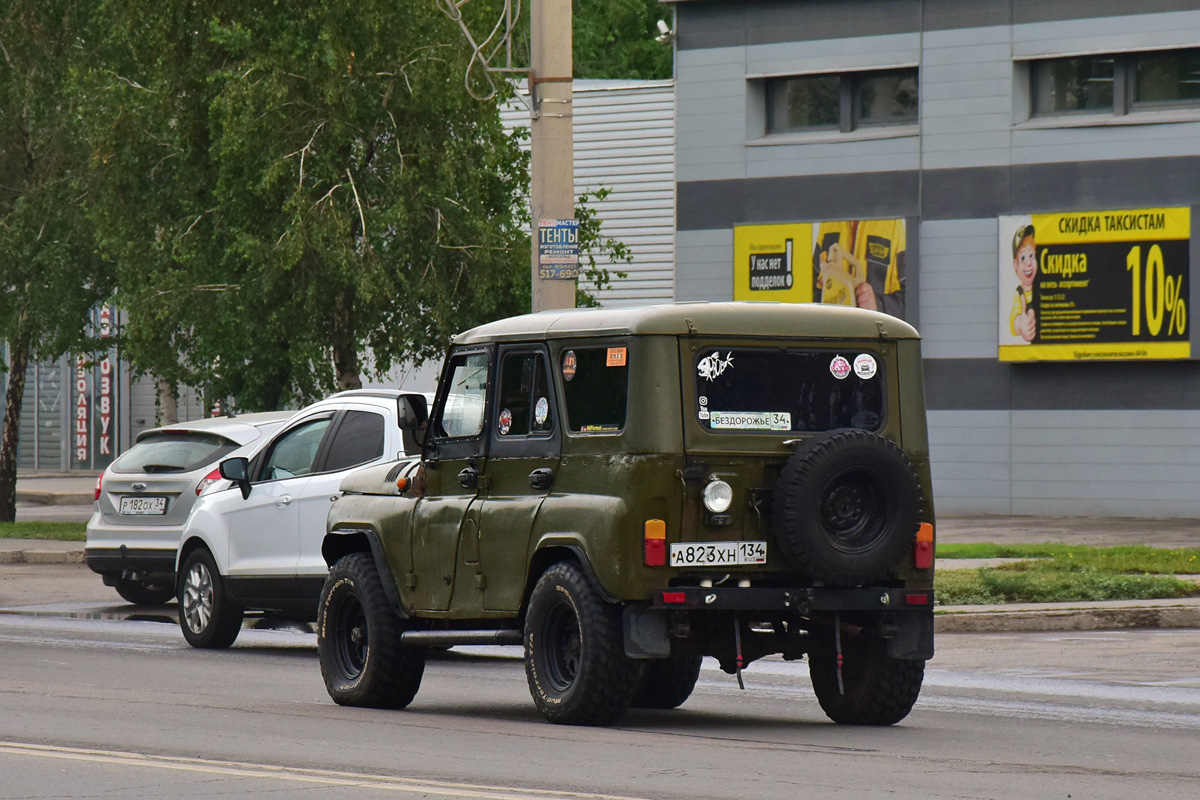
1117,83
842,102
1166,79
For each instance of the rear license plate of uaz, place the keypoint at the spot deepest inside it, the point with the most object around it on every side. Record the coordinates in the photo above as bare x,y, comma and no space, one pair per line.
718,554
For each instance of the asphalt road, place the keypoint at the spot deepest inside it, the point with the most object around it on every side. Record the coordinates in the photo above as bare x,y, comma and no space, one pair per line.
113,706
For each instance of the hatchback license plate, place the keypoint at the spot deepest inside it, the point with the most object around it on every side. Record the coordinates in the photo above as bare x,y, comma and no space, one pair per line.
718,554
143,506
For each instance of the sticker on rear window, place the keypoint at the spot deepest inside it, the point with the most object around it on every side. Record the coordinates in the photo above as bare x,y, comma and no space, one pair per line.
711,367
750,420
505,421
865,366
570,362
840,368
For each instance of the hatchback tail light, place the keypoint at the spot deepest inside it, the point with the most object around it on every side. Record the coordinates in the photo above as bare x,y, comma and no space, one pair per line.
208,480
99,485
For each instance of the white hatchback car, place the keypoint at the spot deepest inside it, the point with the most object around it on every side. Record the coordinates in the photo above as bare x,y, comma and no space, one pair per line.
145,495
255,545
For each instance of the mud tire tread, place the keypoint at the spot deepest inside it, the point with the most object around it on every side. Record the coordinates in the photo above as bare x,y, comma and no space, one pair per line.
798,525
602,689
879,689
668,683
391,673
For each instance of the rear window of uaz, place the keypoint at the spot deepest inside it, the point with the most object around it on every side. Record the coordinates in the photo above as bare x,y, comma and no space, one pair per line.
788,390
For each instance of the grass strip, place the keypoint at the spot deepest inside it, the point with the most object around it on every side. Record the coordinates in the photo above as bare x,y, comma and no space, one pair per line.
1125,559
1049,582
59,531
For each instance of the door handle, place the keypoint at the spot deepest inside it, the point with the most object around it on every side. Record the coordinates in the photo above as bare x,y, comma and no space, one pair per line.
541,479
469,478
283,501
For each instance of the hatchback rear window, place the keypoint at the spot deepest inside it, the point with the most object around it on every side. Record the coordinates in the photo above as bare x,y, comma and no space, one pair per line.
167,451
783,390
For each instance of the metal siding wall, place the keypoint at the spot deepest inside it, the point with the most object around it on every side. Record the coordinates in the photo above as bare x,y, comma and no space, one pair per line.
959,310
625,141
1112,439
705,261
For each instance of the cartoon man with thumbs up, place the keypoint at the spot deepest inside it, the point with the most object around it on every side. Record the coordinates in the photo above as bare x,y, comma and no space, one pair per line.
1022,319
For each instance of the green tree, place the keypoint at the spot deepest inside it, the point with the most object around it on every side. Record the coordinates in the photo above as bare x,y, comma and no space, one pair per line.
615,39
50,275
287,188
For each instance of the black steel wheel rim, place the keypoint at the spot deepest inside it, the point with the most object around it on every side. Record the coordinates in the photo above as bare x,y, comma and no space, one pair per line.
351,643
562,643
853,510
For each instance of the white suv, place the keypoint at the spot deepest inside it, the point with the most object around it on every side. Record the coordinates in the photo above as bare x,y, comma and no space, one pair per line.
255,544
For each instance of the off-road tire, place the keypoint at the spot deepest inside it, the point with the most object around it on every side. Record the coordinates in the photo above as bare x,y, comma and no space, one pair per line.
878,689
668,682
143,594
362,658
209,619
846,507
575,658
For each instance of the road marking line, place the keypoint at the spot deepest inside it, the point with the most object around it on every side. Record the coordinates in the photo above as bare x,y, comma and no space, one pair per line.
297,775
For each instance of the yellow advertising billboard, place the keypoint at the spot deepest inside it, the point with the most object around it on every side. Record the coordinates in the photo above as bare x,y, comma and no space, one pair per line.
845,262
1095,285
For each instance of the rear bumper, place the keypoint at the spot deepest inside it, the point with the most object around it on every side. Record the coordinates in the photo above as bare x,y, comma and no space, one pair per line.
149,565
902,617
798,601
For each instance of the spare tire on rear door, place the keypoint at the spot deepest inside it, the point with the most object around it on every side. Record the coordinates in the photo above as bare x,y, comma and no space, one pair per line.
846,507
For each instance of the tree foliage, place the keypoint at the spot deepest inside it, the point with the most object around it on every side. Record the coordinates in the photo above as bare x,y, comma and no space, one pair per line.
615,39
50,275
286,186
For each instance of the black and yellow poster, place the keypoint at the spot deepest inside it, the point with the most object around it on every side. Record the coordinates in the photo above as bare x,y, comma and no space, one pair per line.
856,263
1095,285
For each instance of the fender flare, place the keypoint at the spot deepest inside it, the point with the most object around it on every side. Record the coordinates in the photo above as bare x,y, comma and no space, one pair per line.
381,565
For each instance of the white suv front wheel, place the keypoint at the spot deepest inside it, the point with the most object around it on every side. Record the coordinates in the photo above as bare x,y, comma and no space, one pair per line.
208,618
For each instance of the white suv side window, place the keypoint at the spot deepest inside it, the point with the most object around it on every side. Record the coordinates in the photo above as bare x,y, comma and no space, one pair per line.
465,400
294,452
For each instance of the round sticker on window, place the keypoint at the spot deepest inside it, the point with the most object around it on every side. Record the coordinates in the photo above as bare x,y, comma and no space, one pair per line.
505,421
865,366
541,411
840,368
568,365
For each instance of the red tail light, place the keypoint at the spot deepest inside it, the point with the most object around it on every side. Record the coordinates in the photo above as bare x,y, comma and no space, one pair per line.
923,551
99,485
208,481
655,538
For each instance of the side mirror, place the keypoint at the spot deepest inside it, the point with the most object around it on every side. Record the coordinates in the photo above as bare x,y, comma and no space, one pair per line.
237,470
413,411
412,415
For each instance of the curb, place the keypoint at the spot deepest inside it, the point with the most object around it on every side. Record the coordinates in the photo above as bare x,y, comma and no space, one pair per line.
55,498
1029,620
41,557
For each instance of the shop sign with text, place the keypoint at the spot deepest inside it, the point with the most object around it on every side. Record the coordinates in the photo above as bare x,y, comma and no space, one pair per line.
1095,285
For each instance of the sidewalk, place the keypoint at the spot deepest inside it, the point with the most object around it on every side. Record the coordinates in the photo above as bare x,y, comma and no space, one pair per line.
70,498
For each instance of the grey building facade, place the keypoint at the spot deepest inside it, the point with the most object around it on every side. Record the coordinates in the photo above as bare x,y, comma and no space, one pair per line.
999,110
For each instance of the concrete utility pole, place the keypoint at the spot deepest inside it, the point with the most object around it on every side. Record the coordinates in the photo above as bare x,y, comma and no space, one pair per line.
552,167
